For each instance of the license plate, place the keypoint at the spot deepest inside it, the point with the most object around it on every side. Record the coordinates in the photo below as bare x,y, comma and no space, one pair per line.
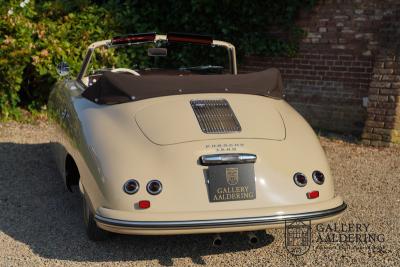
231,182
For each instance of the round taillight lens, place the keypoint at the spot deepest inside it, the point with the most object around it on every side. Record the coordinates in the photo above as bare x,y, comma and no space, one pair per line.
318,177
154,187
131,186
300,179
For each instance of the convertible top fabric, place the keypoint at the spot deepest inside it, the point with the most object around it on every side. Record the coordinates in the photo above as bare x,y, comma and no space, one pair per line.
114,88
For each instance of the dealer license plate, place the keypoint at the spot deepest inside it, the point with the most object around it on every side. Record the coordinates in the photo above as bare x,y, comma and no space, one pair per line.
231,182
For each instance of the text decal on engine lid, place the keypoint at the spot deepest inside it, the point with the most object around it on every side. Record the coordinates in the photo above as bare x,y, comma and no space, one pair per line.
231,182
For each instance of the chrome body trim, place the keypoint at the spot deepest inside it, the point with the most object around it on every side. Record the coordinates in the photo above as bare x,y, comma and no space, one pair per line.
218,159
234,222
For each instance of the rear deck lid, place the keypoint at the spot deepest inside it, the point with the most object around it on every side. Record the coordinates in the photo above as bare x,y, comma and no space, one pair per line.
185,120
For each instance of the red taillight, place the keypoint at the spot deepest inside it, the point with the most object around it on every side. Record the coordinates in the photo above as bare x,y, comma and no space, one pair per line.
318,177
144,204
131,186
300,179
154,187
312,194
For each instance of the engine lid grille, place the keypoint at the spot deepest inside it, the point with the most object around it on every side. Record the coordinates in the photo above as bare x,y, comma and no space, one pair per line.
215,116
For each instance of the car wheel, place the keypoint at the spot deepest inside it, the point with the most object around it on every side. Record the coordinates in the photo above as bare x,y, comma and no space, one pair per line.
92,230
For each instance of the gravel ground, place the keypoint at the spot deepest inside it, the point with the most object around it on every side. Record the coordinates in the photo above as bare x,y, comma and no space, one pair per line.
40,221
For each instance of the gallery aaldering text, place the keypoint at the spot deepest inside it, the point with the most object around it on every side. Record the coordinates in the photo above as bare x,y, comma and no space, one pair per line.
347,233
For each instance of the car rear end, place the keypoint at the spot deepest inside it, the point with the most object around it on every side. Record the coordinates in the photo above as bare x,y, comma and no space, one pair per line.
222,162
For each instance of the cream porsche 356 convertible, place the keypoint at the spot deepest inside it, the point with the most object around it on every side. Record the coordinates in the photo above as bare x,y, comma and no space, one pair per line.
162,136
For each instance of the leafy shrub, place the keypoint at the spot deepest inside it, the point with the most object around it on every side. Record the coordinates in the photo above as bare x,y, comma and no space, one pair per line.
33,39
36,35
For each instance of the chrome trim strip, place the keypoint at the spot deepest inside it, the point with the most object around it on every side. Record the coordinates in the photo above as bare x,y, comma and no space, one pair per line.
85,64
234,158
314,215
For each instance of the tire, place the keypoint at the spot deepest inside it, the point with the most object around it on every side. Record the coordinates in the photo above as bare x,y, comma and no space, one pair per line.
93,232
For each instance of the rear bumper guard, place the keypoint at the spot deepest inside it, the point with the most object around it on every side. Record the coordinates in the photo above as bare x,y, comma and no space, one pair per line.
219,223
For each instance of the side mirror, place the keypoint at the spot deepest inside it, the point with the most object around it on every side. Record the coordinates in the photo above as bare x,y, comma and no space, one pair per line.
157,52
63,69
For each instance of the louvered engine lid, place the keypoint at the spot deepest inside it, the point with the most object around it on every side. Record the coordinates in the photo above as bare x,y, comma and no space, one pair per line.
215,116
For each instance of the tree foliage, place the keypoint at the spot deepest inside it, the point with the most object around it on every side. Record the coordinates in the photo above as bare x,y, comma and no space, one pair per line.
36,35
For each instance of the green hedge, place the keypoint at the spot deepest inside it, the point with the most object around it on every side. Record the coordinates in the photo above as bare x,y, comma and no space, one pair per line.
36,35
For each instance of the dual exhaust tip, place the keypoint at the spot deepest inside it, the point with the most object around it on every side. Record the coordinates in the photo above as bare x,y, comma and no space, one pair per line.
252,239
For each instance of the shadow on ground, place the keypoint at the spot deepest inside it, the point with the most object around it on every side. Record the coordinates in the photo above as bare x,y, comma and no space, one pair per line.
38,211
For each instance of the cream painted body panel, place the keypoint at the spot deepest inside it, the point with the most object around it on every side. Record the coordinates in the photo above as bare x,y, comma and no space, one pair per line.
164,125
109,148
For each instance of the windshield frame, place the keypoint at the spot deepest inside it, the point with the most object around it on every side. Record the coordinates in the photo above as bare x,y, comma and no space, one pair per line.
158,37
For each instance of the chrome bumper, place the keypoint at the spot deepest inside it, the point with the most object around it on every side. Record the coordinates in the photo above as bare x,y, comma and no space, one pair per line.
221,223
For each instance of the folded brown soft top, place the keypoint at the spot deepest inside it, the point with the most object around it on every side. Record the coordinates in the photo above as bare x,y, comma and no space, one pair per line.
114,88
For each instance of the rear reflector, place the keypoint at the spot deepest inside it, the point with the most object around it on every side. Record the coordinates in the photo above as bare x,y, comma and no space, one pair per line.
189,38
134,38
144,204
312,194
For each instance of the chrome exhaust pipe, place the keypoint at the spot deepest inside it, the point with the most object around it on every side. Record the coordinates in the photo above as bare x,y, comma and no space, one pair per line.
217,240
253,239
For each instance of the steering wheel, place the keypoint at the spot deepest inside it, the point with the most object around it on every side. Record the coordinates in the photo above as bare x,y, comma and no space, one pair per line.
126,70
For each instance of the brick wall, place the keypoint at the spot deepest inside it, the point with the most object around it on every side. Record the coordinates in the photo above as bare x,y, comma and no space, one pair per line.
329,78
383,123
324,88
